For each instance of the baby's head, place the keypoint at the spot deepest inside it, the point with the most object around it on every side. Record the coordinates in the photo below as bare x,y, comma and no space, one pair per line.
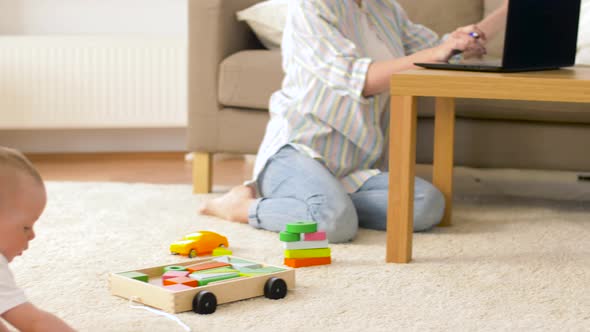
22,200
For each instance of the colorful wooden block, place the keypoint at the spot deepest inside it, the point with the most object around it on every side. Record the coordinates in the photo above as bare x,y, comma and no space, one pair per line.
262,270
307,253
303,262
315,236
306,244
205,266
175,274
289,237
302,227
250,265
181,280
207,278
178,287
221,252
136,275
224,269
174,268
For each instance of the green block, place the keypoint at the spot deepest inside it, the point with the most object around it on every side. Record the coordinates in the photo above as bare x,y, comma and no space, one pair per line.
135,275
174,268
289,237
205,279
302,227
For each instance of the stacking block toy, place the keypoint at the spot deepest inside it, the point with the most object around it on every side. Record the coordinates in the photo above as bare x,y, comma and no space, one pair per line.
303,262
304,245
221,252
316,236
174,274
182,281
135,275
289,237
307,253
302,227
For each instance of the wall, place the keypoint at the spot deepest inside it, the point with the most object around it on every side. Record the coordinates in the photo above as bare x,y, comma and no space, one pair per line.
81,17
159,17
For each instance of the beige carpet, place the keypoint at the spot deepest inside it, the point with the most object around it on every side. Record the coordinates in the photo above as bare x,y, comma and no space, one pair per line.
523,265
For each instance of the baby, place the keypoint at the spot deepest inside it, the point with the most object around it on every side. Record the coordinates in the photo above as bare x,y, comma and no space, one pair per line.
22,200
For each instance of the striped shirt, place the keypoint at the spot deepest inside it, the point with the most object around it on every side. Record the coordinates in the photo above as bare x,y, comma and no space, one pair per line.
320,109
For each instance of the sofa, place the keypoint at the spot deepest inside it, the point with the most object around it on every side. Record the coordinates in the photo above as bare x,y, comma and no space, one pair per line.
231,77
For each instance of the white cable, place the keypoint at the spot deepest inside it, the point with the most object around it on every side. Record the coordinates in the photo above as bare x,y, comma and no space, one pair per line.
159,312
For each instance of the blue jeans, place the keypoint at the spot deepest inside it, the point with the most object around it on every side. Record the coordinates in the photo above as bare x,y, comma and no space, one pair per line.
296,187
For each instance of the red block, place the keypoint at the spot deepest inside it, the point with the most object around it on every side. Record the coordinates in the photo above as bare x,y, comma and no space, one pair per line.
316,236
182,281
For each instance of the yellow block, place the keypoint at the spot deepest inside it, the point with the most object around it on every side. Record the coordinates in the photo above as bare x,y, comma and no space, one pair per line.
221,252
307,253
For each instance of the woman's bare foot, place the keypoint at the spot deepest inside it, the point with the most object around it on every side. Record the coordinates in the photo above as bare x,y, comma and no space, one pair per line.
232,206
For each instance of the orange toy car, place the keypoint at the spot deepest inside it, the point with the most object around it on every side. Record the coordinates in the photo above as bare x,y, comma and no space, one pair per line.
198,243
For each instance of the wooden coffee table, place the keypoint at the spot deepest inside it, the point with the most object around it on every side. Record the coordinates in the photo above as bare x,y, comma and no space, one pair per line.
564,85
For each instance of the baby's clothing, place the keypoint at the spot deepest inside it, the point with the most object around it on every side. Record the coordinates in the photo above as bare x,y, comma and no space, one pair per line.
10,294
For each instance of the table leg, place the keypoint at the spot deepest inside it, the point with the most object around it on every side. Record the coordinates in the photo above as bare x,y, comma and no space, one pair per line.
402,161
444,136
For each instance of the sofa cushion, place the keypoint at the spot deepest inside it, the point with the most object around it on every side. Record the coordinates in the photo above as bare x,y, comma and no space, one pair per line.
248,78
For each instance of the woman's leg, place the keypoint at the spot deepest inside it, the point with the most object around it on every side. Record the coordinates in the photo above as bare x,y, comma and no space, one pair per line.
370,202
296,187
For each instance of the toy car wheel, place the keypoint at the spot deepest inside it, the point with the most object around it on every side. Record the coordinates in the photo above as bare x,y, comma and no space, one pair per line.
275,288
192,253
204,303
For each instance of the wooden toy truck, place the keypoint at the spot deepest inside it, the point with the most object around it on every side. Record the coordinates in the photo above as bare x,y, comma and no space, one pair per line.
201,299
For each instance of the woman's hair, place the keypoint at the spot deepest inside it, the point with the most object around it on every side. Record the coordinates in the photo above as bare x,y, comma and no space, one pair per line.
12,159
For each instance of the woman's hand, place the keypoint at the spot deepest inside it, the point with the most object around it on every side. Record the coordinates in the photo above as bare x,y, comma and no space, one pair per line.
468,40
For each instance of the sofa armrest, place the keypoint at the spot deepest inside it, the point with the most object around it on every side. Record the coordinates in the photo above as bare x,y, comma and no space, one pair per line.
214,34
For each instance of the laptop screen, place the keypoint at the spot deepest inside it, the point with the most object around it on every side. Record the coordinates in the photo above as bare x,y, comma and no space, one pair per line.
541,33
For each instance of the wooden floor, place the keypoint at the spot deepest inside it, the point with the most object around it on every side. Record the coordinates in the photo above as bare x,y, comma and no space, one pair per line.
159,168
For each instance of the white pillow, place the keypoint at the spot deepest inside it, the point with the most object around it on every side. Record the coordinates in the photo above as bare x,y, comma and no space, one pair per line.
583,55
267,20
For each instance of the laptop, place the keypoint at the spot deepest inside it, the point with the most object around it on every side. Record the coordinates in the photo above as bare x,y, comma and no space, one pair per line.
540,35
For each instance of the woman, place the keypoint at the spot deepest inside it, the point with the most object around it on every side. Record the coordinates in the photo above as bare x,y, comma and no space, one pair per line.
322,157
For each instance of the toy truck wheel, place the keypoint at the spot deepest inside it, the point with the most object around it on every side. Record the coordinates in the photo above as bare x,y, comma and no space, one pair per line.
204,303
275,288
192,253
